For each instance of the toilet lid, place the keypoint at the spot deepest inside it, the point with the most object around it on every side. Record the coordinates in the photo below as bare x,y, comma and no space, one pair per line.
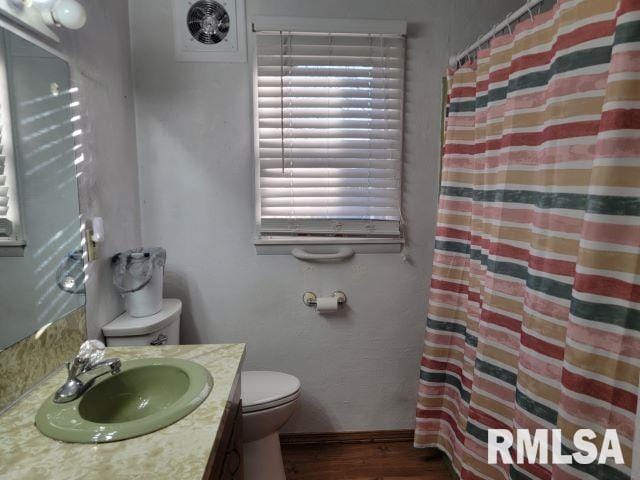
262,390
127,326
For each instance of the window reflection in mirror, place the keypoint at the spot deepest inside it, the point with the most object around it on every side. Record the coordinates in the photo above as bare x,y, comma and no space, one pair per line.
41,258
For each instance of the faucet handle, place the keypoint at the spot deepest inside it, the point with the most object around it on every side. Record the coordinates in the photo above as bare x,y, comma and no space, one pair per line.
91,351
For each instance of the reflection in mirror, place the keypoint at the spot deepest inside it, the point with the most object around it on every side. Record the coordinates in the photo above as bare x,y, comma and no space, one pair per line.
41,256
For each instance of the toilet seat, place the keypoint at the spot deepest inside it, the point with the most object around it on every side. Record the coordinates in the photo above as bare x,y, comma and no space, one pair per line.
262,390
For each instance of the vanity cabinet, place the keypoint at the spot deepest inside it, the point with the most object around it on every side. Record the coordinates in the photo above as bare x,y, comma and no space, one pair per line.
204,445
226,460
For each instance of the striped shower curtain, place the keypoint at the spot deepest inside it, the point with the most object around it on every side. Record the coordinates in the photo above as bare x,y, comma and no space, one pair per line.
534,307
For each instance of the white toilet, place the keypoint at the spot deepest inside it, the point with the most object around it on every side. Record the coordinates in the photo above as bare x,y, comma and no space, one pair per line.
268,398
268,401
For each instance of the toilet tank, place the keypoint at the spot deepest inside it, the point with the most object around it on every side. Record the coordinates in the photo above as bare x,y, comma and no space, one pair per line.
163,328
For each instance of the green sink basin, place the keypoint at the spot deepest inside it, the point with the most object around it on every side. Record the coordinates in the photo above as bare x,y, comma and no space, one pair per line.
147,395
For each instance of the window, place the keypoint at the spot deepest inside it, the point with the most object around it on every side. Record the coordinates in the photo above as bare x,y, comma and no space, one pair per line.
8,202
329,133
10,225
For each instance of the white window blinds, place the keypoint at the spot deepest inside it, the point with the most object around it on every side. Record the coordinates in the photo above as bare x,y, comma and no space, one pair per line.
4,170
8,204
330,111
4,188
6,227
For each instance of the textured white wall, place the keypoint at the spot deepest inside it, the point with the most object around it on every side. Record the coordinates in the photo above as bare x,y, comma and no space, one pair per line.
108,187
194,122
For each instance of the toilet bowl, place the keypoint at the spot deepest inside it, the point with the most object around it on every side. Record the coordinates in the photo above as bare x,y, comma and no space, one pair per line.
268,401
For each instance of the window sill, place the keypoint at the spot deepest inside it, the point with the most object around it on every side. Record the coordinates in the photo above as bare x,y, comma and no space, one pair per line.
284,245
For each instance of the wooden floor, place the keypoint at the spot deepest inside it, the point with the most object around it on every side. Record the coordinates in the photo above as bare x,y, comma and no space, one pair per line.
396,460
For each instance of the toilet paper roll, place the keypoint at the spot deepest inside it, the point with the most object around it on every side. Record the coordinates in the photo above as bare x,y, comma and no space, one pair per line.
327,305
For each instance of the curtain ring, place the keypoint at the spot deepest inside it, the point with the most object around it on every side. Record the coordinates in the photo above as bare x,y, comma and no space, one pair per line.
530,14
509,28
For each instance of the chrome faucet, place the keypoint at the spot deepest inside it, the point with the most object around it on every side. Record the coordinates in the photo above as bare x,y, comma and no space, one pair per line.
81,365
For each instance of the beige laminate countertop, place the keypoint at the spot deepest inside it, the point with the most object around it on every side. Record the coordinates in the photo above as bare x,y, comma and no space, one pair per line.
177,452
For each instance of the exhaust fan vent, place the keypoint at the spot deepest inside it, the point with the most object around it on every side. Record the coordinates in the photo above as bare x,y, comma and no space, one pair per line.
210,30
208,22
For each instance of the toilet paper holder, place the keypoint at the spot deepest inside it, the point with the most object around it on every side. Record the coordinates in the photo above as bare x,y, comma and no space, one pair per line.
310,299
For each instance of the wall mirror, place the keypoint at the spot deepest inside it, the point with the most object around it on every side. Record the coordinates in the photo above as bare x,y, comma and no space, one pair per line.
41,256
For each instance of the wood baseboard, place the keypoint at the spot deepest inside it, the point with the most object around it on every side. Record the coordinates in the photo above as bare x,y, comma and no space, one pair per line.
375,436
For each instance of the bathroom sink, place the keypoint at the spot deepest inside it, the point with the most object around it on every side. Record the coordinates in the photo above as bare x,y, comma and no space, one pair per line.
147,395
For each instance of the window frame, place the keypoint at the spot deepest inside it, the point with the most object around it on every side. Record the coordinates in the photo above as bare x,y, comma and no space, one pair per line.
283,244
13,246
16,246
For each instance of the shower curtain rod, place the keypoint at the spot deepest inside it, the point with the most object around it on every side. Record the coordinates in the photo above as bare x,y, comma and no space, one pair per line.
512,17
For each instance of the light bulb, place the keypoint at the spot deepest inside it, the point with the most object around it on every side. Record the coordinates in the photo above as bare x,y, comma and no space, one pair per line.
69,13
